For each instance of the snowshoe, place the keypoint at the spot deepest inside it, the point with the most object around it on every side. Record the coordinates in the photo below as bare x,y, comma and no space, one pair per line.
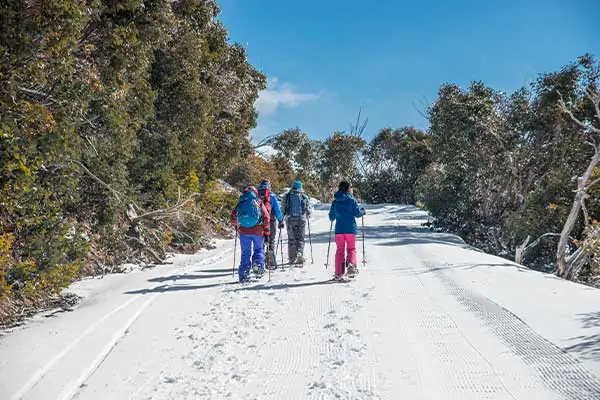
352,270
299,263
258,270
340,278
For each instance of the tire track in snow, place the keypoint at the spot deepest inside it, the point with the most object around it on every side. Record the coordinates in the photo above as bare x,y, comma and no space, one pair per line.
40,373
450,366
557,369
71,389
464,370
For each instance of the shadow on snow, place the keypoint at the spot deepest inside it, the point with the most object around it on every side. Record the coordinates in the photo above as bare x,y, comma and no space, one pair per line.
588,346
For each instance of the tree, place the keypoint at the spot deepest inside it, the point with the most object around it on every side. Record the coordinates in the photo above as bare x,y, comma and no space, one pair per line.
571,265
396,159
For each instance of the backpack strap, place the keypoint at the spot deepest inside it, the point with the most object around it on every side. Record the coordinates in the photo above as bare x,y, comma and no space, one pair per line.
286,203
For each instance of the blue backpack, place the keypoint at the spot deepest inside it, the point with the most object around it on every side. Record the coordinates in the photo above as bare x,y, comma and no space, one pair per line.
248,210
295,204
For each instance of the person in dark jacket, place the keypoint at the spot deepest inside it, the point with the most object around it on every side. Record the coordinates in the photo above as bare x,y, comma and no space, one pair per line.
344,211
296,209
252,236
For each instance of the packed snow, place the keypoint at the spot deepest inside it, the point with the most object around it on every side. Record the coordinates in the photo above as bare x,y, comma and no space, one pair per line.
428,317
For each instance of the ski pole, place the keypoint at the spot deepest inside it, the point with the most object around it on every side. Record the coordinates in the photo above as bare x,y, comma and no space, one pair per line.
363,240
329,245
234,251
312,260
277,247
269,259
281,241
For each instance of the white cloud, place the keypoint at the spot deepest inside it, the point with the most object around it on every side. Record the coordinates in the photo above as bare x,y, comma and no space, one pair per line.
280,95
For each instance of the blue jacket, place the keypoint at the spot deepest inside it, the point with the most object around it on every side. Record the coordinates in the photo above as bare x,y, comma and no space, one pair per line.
344,210
275,209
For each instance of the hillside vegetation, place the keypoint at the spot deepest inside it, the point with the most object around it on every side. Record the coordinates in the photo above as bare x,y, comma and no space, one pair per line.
116,120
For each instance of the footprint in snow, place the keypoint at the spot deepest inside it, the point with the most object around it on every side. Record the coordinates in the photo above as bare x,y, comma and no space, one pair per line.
329,326
317,385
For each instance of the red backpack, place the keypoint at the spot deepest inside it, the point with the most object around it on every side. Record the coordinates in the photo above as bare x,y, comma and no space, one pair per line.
265,196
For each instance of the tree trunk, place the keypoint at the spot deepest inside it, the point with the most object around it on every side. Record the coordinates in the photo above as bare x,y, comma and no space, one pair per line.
520,251
561,251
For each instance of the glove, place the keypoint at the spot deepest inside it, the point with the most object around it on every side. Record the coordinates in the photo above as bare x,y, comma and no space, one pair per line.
281,225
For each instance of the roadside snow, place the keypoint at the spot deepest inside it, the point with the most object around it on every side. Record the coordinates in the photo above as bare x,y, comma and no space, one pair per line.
427,318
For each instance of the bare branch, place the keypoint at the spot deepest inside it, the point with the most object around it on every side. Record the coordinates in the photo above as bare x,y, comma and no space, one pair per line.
100,181
565,109
588,186
146,248
539,239
595,98
592,143
163,213
91,144
586,216
358,129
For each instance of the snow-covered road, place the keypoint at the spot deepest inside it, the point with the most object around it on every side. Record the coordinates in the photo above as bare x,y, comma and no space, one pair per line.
427,318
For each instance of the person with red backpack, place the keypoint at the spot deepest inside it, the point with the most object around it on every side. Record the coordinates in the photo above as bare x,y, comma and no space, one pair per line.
270,201
251,219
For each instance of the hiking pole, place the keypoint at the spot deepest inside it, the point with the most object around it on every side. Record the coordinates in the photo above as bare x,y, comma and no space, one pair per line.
364,261
234,251
269,259
312,260
329,244
281,241
277,249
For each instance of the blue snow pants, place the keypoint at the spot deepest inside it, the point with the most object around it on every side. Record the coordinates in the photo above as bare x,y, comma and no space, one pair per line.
258,257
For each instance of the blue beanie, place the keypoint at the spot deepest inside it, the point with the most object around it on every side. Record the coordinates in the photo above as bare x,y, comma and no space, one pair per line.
297,185
264,184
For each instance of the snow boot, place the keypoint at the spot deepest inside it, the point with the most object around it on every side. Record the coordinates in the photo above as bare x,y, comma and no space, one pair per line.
245,278
258,270
352,270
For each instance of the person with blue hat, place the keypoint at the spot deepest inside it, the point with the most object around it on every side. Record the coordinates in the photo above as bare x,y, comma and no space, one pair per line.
270,201
296,208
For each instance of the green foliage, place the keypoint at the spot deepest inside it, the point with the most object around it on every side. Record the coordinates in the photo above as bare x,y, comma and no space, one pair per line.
396,159
117,117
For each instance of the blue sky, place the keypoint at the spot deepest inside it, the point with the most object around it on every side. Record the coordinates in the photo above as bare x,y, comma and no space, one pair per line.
326,59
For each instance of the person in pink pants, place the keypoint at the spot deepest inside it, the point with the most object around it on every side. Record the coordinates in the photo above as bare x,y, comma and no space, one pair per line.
344,211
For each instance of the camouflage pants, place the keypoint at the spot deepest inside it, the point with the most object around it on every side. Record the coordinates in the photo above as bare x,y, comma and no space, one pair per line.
295,230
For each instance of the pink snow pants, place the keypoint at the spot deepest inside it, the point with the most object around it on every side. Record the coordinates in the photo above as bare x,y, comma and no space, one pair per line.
345,251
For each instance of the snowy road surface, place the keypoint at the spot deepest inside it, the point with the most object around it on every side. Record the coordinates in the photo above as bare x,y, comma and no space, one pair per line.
427,318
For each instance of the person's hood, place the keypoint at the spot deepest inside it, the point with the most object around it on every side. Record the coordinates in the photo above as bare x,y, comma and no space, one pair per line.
249,194
342,196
